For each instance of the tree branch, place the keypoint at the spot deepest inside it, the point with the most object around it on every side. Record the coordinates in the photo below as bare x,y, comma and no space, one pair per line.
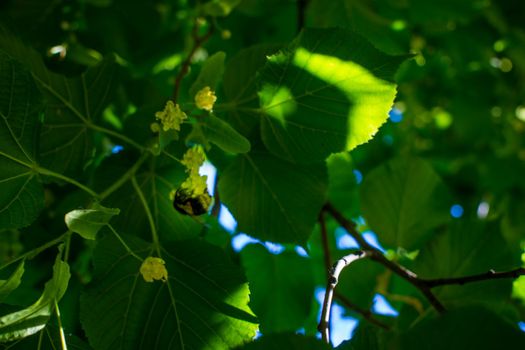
198,41
489,275
333,278
301,12
216,209
365,313
324,242
423,285
376,255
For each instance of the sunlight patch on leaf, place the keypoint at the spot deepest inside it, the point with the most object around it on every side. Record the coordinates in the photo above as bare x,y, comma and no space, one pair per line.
340,87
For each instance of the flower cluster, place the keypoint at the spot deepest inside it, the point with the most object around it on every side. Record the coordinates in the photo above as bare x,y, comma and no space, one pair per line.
171,117
192,160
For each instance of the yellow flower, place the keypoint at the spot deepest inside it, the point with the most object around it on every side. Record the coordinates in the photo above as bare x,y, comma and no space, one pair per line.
153,269
171,117
195,184
205,98
193,159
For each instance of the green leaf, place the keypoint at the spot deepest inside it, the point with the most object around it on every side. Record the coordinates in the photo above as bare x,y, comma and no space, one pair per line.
358,282
328,92
87,222
258,186
156,183
342,189
286,341
240,88
403,200
72,106
282,287
467,248
219,8
202,306
365,337
468,328
30,320
210,74
9,285
219,132
21,195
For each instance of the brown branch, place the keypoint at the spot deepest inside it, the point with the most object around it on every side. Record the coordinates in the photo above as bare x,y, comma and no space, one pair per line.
489,275
365,313
423,285
301,13
216,209
333,278
324,242
377,255
198,41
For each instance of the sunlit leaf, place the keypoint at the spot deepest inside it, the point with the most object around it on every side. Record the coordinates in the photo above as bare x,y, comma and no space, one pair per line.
202,306
87,222
240,85
329,91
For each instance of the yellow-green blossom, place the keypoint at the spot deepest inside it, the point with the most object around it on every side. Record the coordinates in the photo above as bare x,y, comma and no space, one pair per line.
195,184
193,159
205,98
154,269
171,117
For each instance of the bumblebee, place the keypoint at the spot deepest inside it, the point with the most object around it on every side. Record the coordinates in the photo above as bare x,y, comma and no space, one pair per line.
187,203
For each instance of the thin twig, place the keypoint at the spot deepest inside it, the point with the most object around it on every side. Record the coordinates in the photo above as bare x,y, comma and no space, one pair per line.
301,13
423,285
365,313
216,209
489,275
324,242
377,255
333,278
198,41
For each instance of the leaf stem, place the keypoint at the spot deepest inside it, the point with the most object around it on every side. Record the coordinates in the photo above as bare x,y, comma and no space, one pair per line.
60,328
124,244
116,135
198,41
324,242
124,178
36,251
47,172
147,209
365,313
169,155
